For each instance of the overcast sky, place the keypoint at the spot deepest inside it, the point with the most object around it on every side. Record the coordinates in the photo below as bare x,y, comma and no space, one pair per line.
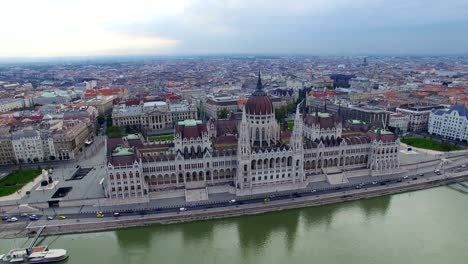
55,28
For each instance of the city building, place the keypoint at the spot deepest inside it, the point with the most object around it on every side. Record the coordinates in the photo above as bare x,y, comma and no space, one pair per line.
450,123
103,104
8,104
70,138
7,155
261,159
152,116
365,113
418,116
54,97
214,104
399,121
32,145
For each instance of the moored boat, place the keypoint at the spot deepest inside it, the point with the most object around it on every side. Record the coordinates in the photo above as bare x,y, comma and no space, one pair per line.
41,254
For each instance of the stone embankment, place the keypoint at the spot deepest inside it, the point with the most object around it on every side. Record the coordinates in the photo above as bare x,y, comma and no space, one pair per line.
111,223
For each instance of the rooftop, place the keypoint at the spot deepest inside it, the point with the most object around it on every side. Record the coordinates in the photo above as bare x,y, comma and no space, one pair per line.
189,122
122,151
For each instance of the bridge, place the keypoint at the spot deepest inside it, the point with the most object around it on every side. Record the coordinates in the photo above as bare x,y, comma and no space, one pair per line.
36,237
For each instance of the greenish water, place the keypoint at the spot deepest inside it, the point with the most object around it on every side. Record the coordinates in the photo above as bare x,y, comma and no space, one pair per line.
429,226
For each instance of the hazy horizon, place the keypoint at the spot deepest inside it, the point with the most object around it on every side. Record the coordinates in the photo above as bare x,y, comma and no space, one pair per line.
51,29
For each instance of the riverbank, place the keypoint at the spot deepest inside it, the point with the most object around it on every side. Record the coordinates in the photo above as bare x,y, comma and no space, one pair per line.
111,223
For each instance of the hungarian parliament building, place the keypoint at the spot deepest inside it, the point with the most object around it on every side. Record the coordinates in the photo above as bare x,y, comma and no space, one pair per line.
246,156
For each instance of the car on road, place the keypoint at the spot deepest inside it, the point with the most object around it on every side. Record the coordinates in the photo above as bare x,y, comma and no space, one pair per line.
314,190
415,178
33,217
266,200
4,218
406,177
399,180
232,201
116,214
182,209
99,215
24,215
421,174
374,183
12,219
50,217
358,187
61,217
463,166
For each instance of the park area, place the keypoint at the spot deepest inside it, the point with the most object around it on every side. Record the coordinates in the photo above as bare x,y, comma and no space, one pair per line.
428,143
16,180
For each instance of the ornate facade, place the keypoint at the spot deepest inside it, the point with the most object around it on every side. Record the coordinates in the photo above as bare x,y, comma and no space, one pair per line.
248,156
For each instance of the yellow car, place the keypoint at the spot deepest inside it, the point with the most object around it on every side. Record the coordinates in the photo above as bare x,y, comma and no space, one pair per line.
61,217
99,215
266,200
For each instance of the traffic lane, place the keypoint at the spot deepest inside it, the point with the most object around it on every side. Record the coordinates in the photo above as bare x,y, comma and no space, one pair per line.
271,197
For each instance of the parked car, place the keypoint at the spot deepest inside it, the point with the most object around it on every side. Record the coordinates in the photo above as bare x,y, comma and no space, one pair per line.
61,217
463,166
4,218
33,217
374,182
116,214
266,200
406,177
182,209
24,215
50,217
12,219
232,201
99,215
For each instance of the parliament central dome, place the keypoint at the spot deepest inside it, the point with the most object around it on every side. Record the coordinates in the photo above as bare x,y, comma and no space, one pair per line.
259,102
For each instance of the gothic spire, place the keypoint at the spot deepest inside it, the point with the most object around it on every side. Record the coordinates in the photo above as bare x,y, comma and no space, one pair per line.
259,82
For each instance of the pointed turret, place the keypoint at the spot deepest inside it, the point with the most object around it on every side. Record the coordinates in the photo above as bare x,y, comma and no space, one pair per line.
296,137
259,81
244,139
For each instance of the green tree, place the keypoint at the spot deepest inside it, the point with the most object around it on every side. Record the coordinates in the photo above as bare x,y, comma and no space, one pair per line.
280,114
223,113
114,132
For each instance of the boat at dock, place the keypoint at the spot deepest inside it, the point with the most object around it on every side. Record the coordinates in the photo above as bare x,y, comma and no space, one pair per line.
40,254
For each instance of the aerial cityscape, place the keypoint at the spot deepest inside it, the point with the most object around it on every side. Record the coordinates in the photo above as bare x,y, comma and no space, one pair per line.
155,144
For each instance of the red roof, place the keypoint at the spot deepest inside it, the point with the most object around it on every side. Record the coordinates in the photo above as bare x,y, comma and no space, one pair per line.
323,94
105,92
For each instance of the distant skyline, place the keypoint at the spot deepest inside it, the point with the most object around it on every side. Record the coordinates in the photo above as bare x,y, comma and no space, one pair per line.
68,28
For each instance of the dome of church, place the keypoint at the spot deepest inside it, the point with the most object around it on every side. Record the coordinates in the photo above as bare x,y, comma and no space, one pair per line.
259,102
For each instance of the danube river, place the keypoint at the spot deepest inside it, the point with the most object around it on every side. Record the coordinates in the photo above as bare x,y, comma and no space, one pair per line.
429,226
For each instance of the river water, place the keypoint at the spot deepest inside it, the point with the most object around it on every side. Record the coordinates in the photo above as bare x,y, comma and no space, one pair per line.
429,226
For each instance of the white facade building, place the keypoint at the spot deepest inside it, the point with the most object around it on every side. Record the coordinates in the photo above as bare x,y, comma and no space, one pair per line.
450,123
153,115
30,145
9,104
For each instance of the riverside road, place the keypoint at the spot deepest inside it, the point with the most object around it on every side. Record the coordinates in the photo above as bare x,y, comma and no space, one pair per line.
268,199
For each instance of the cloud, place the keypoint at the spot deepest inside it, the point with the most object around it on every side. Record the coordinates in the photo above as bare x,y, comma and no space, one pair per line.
56,27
